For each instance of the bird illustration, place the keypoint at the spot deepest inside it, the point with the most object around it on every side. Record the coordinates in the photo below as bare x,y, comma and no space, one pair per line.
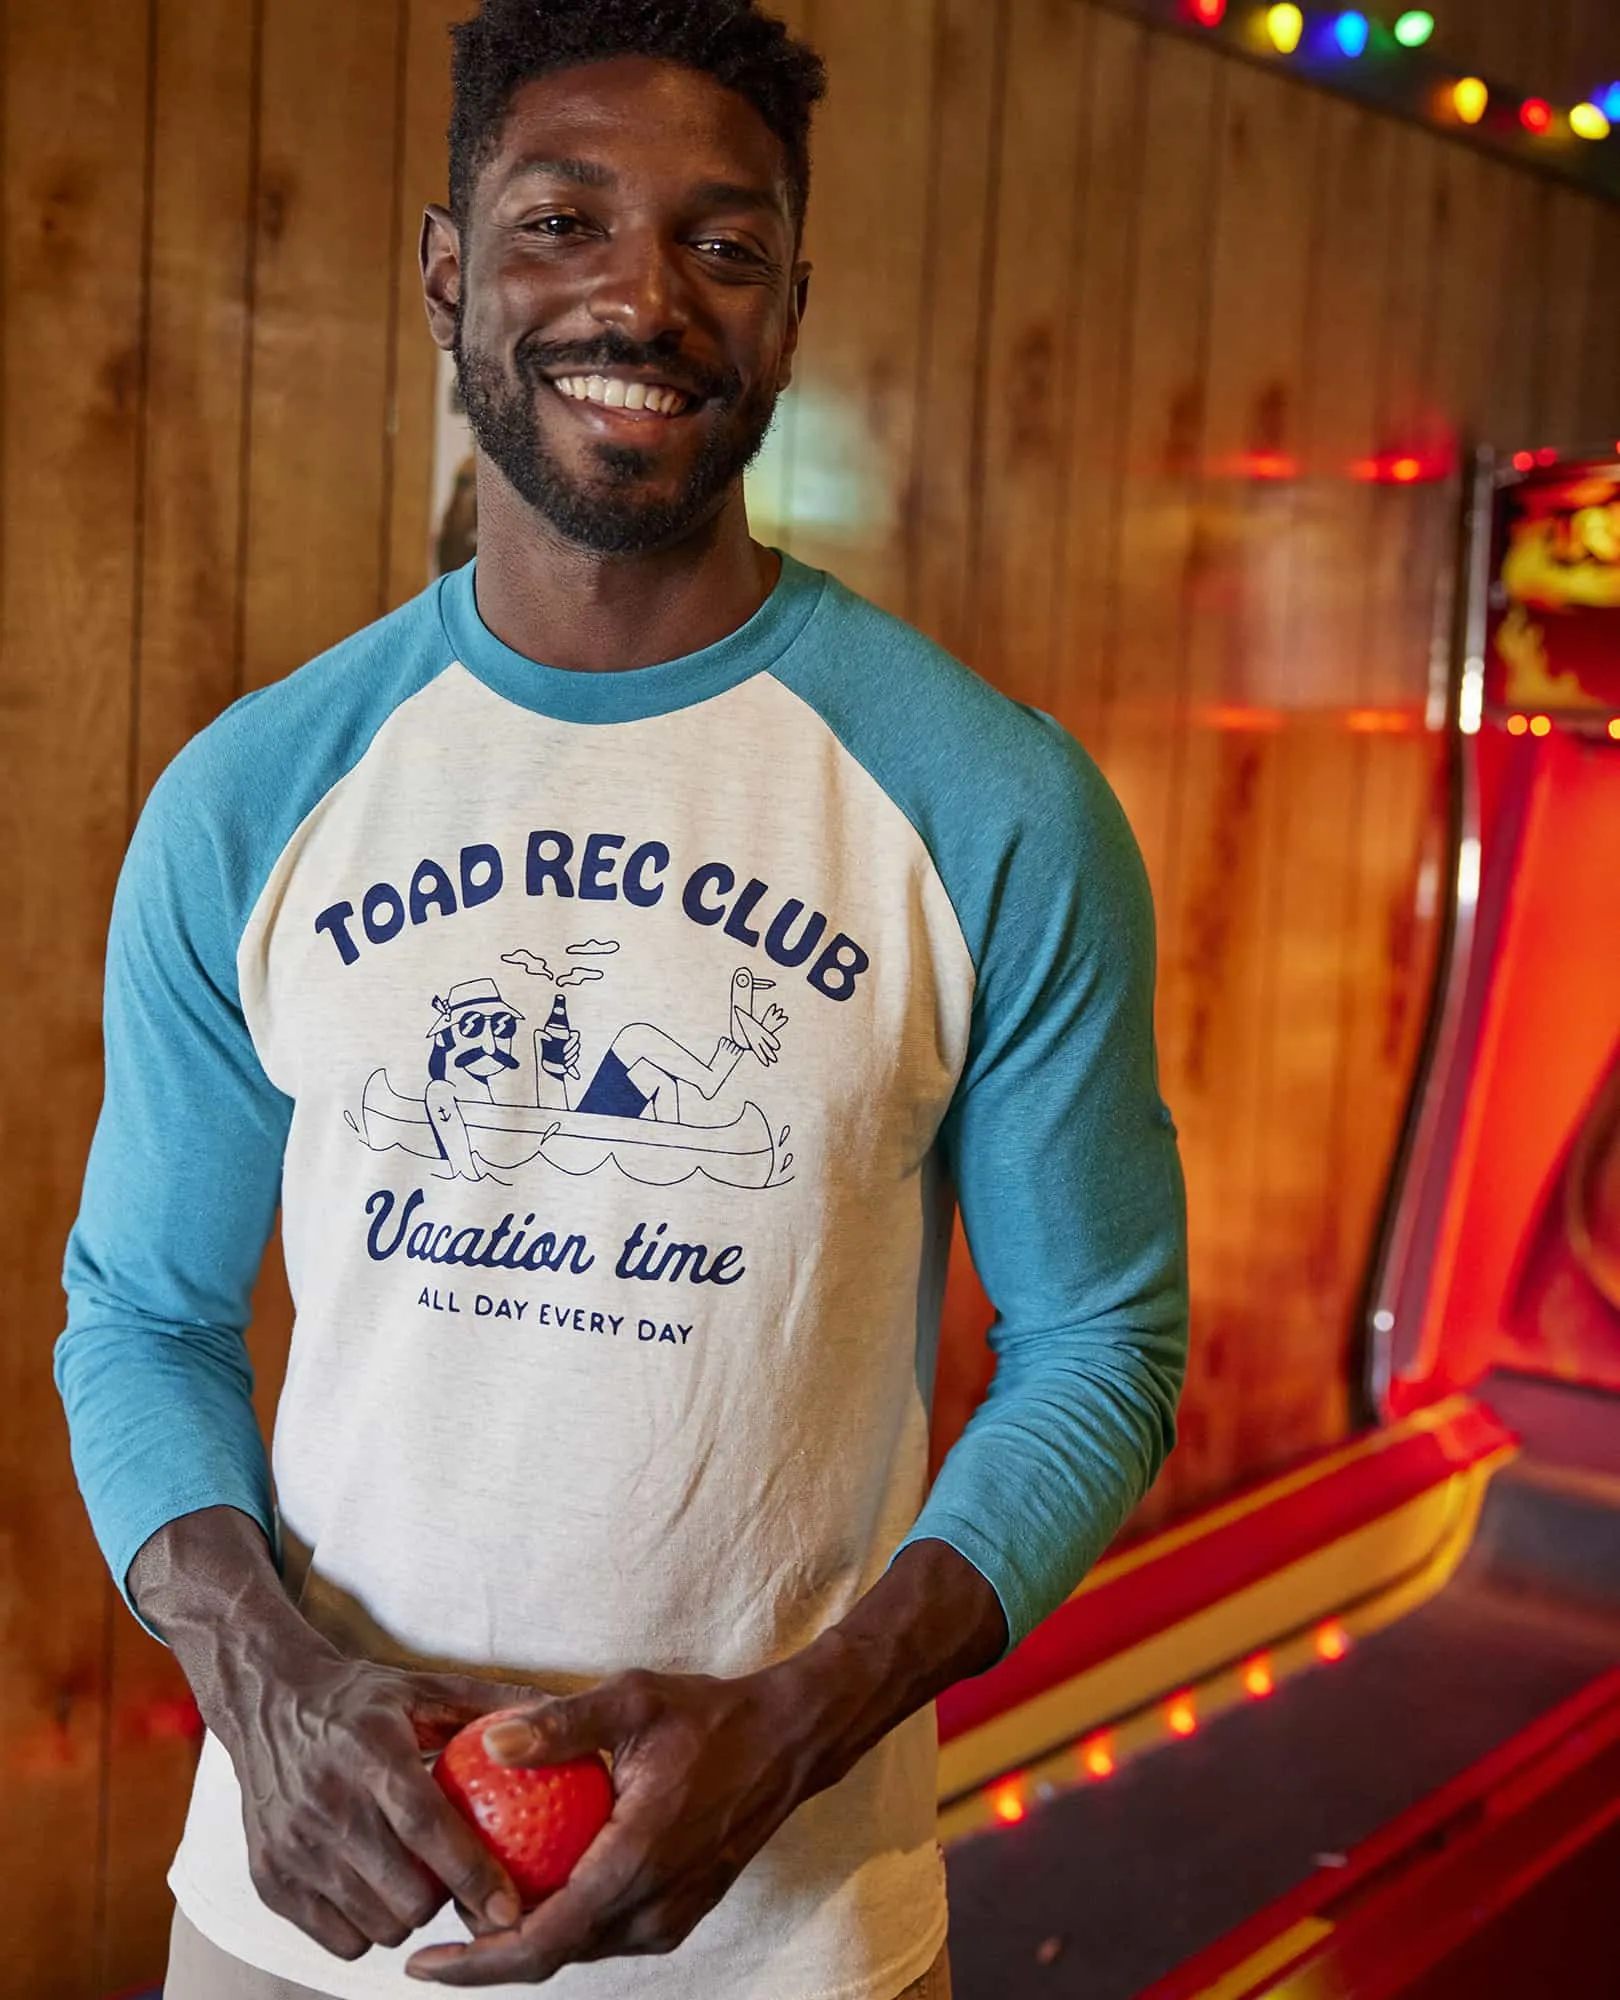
759,1035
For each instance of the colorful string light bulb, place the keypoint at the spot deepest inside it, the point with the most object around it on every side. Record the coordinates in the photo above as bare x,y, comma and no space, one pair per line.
1469,100
1535,115
1609,103
1285,24
1587,121
1351,31
1209,13
1414,28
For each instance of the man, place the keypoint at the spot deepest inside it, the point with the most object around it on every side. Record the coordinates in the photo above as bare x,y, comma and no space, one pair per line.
700,1553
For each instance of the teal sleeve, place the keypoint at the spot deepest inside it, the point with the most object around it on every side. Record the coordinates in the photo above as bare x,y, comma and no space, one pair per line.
1065,1165
184,1173
179,1198
1061,1149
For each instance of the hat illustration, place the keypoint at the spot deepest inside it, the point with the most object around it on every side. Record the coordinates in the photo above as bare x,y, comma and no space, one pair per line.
470,993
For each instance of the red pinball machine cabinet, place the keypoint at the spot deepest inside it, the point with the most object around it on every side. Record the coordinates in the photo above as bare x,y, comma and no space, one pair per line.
1355,1733
1505,1251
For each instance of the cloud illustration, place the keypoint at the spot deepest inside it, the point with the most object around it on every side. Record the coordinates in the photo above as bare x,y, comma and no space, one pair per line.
593,948
577,975
530,964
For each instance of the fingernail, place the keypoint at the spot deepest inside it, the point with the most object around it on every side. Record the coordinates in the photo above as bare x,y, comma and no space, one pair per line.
510,1739
503,1909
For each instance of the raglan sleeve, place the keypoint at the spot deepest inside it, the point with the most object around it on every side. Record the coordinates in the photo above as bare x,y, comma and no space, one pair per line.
179,1196
1064,1159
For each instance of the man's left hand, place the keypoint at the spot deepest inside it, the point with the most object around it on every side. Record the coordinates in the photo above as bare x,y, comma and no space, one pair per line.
704,1772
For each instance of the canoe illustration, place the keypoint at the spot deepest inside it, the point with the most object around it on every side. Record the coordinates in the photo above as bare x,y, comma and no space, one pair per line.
504,1136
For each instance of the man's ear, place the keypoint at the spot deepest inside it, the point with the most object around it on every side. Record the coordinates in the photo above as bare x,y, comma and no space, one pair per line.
440,253
801,301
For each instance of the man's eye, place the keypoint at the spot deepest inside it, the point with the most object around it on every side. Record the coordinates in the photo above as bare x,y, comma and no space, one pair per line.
554,226
724,248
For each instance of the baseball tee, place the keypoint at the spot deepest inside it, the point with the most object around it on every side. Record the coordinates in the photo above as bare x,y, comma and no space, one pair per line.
615,1046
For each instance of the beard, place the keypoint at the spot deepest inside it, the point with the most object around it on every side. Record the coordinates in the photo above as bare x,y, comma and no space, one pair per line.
606,514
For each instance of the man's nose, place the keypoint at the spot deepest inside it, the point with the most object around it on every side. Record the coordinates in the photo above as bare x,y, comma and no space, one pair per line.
640,289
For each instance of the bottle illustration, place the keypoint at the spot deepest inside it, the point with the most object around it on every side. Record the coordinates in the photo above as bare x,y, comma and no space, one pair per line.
554,1039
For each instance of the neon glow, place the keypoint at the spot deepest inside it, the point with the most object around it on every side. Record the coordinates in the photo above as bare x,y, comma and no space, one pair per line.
1586,121
1405,467
1097,1758
1518,725
1332,1641
1209,13
1351,31
1257,1680
1470,100
1535,115
1007,1803
1540,725
1181,1716
1265,465
1414,28
1285,24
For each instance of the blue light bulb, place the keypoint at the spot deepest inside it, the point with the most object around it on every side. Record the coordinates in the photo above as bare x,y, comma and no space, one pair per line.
1609,104
1350,31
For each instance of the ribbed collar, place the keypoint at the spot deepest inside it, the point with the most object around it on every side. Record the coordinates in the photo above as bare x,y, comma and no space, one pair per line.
638,691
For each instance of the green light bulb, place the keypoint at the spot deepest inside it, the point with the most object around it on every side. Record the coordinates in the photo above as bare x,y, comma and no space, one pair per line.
1413,29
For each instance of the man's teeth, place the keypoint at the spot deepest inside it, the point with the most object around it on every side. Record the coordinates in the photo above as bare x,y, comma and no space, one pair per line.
616,395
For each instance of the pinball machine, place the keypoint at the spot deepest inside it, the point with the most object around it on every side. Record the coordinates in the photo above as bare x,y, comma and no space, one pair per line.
1356,1732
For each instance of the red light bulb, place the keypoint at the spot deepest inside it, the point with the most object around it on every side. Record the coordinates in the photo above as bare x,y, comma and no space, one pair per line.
1535,115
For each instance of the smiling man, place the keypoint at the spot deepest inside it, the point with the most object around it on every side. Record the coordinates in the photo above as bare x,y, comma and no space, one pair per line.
631,753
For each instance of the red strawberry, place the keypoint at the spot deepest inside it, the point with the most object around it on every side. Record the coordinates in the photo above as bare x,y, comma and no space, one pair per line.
536,1823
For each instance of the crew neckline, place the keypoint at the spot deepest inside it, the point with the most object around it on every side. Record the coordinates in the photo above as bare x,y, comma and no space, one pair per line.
635,693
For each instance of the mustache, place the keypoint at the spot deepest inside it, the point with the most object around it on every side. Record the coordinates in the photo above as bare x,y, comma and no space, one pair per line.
537,359
489,1055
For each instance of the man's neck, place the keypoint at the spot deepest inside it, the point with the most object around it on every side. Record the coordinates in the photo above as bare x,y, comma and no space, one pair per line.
555,602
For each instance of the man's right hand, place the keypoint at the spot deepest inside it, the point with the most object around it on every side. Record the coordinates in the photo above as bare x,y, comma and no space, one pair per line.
348,1836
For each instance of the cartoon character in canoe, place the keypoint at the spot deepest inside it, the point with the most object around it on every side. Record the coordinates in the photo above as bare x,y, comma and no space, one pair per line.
631,1111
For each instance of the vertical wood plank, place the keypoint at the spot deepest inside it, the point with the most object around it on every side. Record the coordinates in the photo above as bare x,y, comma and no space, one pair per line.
74,257
970,42
323,323
1299,1399
202,180
1163,555
1223,866
855,409
203,175
424,177
1080,685
1018,545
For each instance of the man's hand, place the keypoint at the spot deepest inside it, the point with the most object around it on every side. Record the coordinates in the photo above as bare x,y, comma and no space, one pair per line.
348,1836
704,1772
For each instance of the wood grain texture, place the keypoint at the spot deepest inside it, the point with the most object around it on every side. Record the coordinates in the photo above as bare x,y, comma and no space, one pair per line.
75,264
203,84
326,266
1101,324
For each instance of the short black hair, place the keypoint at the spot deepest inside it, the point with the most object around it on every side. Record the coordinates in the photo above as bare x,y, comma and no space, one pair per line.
508,43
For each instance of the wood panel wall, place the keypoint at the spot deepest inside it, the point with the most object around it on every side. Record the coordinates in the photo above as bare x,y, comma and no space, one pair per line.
1101,321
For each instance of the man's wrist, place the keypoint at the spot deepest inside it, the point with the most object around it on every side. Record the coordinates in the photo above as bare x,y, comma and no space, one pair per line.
931,1620
207,1583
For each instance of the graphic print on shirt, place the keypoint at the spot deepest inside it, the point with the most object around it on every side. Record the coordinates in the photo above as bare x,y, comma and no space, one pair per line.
639,1111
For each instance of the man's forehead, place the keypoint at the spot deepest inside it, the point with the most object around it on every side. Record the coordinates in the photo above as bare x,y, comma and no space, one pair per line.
599,124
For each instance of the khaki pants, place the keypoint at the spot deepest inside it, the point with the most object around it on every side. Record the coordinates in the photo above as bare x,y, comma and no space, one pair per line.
200,1971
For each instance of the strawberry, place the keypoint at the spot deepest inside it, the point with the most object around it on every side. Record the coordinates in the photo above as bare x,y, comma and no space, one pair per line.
536,1823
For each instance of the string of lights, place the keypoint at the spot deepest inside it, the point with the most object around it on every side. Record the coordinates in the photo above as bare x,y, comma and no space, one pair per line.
1389,59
